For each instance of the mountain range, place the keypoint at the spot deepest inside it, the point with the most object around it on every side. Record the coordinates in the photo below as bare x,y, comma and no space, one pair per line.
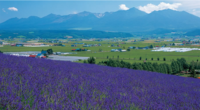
132,20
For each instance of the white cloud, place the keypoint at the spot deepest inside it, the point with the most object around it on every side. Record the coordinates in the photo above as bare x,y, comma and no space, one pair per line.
3,10
162,6
191,6
123,7
195,12
189,3
12,9
75,12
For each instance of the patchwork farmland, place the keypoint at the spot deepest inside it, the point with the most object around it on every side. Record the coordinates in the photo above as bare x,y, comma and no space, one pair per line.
103,52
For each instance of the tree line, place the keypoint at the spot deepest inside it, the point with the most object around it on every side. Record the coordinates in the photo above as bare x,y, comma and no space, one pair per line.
52,34
175,67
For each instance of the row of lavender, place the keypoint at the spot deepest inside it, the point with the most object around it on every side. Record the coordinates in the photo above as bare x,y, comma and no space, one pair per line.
28,83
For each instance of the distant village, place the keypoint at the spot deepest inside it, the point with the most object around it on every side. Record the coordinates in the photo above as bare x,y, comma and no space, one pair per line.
114,42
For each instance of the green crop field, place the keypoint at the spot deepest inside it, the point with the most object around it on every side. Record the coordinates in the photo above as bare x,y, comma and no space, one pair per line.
129,56
134,55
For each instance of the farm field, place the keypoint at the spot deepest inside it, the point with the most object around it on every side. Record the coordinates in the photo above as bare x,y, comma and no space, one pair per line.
131,56
67,85
134,55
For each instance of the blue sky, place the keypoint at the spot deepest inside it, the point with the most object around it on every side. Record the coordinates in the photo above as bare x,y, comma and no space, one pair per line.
26,8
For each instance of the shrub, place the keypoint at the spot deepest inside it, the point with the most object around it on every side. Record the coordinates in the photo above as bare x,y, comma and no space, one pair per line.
91,60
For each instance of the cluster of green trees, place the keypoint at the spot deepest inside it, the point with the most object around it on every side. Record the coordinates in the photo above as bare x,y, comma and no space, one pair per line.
91,60
49,52
176,66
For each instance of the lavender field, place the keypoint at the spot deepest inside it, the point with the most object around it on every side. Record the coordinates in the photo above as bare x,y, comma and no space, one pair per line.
40,84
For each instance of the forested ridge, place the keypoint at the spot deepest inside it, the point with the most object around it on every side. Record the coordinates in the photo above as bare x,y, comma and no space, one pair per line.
63,34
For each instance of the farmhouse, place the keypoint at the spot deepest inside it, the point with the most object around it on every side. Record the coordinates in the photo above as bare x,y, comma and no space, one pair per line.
78,49
83,49
5,43
86,45
58,45
112,45
58,53
114,50
19,45
120,50
44,52
73,49
39,55
33,56
123,50
73,45
141,48
131,47
178,44
13,44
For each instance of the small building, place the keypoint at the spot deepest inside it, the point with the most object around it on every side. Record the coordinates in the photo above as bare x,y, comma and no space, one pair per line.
78,49
178,44
39,55
123,51
44,52
73,49
140,47
58,44
13,44
120,50
146,47
19,45
32,56
113,50
58,53
86,45
43,57
73,45
5,43
132,47
83,49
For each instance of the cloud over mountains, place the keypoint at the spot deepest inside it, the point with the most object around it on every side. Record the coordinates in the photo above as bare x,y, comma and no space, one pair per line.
162,6
123,7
